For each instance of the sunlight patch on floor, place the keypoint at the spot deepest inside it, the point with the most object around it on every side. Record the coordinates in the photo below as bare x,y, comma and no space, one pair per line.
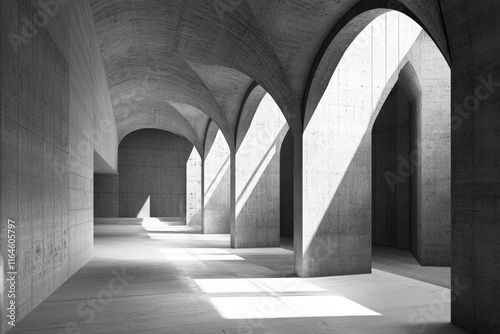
198,254
256,285
276,307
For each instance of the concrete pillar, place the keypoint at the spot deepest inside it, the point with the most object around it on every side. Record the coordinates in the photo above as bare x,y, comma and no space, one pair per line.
257,179
217,188
336,205
425,80
430,160
194,189
286,186
473,32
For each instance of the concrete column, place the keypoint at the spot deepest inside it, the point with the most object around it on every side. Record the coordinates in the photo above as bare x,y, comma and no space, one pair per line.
425,80
473,32
298,205
194,189
257,179
336,157
217,188
286,186
432,150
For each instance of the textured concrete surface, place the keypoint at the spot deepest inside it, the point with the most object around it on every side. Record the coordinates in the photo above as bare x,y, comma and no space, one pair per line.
170,164
152,169
475,162
403,263
399,262
217,186
91,127
433,142
106,196
337,150
257,179
196,280
194,189
215,50
212,53
336,230
53,97
34,111
286,186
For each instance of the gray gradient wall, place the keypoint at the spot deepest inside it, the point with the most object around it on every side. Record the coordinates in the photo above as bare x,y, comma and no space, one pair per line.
106,196
54,100
217,186
286,186
257,179
152,163
475,163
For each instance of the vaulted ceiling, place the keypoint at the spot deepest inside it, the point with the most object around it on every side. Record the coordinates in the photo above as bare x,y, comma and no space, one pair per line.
176,65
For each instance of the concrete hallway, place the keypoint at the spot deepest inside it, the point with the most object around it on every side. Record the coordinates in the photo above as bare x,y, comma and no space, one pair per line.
179,281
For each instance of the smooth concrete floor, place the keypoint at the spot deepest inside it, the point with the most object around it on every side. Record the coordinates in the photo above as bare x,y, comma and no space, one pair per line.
399,262
179,281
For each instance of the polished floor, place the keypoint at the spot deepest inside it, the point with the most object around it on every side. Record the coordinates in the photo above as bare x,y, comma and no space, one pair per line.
170,279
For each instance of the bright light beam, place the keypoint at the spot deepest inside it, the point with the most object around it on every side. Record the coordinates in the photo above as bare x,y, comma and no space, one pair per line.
256,285
288,307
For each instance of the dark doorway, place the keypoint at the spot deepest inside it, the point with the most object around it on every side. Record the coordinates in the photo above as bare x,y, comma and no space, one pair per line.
392,176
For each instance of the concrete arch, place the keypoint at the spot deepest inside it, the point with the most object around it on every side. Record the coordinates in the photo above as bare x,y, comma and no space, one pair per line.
241,43
134,47
349,27
255,174
204,34
211,134
164,122
336,206
409,82
249,106
132,81
216,184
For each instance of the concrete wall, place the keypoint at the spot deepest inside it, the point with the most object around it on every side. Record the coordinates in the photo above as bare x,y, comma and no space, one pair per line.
152,165
91,127
432,169
194,190
35,97
335,237
52,86
337,151
106,196
473,32
257,179
286,186
217,187
390,200
107,192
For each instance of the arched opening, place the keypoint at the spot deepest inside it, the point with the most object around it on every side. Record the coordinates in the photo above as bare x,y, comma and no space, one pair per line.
392,139
257,174
158,180
216,183
336,233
